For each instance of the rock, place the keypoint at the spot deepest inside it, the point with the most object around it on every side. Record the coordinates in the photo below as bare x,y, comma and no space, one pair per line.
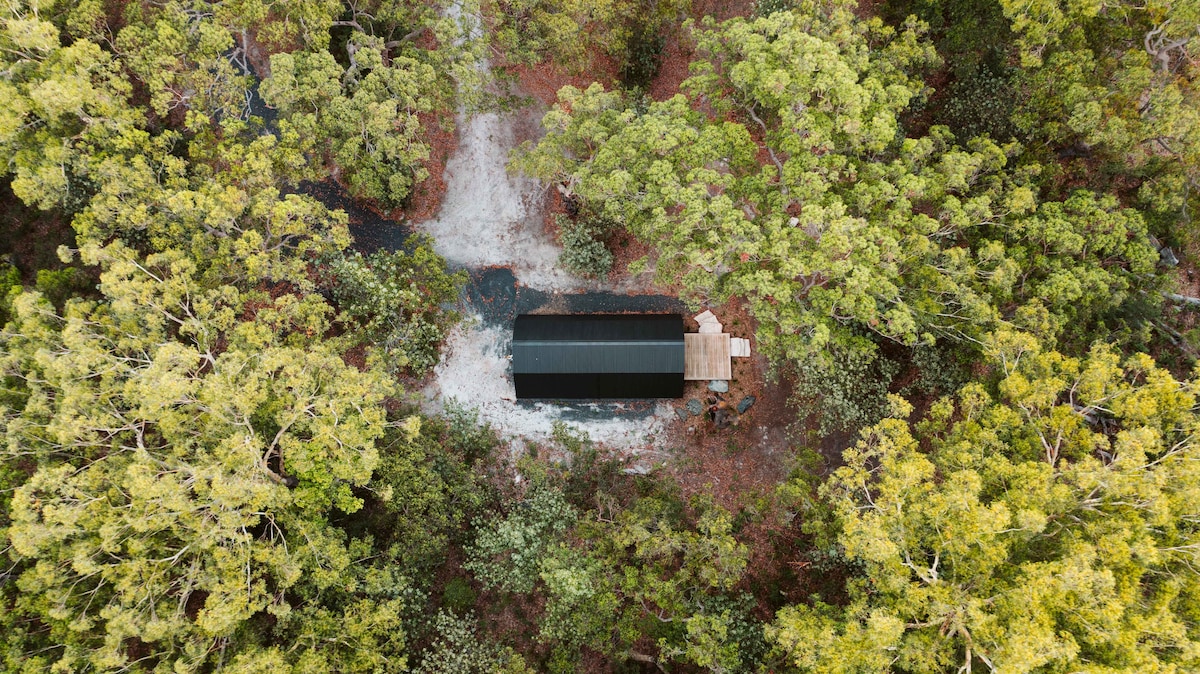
706,316
1167,256
723,418
711,328
695,407
682,413
746,403
719,385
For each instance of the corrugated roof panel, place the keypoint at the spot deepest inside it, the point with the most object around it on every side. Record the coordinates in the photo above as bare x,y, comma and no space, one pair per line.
604,356
546,357
623,385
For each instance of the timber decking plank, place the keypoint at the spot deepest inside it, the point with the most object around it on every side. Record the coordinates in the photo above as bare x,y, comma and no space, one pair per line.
706,357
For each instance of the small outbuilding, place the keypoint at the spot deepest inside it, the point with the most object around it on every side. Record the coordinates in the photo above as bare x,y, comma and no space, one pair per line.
598,356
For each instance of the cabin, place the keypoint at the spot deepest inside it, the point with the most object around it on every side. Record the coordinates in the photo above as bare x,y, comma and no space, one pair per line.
598,356
618,355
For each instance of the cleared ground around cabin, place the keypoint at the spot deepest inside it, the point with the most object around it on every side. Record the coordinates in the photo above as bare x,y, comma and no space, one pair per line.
491,223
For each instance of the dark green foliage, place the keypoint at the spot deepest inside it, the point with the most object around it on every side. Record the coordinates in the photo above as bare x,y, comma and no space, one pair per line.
650,570
10,283
60,285
643,58
422,493
848,391
769,7
395,302
474,438
980,103
940,368
975,43
589,477
569,33
743,629
584,252
969,34
459,648
458,596
508,550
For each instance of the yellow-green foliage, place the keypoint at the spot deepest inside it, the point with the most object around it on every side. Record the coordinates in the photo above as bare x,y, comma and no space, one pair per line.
781,174
163,426
1045,527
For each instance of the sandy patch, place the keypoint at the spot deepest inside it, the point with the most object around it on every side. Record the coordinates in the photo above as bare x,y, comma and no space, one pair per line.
489,217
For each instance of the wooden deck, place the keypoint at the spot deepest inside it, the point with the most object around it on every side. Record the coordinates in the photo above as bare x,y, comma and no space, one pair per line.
706,357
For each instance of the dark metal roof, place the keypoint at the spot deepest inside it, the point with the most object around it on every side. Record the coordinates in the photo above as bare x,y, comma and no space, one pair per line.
596,347
547,357
622,385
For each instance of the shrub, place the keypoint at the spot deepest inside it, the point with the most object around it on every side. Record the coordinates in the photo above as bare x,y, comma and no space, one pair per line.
394,301
60,285
422,494
583,252
508,552
942,369
10,282
458,595
848,391
475,439
458,648
769,7
980,104
642,59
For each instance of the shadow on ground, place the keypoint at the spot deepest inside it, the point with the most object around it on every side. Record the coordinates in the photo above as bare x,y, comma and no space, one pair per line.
498,298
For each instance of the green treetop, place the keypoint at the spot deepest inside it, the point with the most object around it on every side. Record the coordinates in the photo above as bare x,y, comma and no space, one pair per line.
781,174
1047,526
186,448
1120,79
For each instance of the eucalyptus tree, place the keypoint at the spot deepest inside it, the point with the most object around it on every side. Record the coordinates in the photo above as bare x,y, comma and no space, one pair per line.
1120,80
185,446
1046,525
782,174
404,66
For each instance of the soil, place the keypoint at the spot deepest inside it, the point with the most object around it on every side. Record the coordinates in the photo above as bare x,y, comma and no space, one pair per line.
489,217
679,50
426,197
627,249
31,237
677,53
739,464
867,9
541,81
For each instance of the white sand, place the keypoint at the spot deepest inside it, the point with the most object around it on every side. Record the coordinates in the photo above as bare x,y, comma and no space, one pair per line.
491,218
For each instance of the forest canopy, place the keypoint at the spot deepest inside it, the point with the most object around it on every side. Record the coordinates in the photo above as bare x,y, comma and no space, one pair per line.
959,233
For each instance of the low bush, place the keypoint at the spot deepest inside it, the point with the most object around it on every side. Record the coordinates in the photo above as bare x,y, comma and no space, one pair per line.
584,253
